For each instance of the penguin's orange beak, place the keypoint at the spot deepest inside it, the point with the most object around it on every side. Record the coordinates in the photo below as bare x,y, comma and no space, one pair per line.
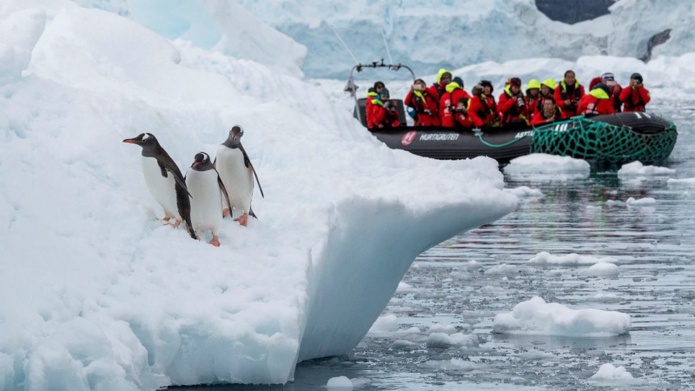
130,141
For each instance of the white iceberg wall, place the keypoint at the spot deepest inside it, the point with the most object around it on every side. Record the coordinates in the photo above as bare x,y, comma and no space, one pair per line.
363,260
425,36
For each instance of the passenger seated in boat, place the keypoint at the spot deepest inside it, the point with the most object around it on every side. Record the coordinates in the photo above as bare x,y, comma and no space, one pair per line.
461,117
513,107
609,80
547,89
568,93
549,113
448,101
596,102
533,94
443,78
421,100
635,97
483,108
384,112
371,95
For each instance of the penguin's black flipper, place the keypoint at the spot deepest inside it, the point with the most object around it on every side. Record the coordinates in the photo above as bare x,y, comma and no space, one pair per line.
184,205
247,163
181,181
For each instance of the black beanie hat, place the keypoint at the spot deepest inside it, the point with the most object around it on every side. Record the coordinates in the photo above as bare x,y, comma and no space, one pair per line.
636,76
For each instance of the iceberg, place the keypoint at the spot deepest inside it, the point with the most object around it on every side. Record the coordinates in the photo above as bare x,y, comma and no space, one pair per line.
98,294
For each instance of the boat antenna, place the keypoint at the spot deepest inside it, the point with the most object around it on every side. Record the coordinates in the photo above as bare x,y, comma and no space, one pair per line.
388,52
344,44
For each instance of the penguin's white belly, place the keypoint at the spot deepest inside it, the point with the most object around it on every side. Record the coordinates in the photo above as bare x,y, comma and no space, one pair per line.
205,200
237,178
163,189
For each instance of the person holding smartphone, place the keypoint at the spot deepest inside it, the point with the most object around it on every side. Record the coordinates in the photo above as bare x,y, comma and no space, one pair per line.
635,97
422,100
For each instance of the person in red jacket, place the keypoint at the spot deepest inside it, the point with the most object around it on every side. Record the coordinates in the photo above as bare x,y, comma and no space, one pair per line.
384,113
549,113
483,108
439,87
635,97
513,106
568,93
597,101
421,99
447,102
461,117
533,95
609,80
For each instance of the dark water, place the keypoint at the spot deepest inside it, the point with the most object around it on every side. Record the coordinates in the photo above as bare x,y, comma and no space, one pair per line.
654,247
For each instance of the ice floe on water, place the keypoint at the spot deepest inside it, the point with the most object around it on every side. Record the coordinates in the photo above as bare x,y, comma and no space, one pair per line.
602,269
637,169
561,167
545,257
638,202
609,373
536,317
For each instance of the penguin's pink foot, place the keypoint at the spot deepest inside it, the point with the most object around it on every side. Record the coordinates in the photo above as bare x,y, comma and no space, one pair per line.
215,241
176,223
225,212
243,219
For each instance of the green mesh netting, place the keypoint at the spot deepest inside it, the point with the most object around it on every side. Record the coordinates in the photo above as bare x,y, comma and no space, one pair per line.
603,143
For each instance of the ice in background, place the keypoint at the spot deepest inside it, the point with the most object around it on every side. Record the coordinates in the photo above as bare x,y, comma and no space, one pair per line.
447,33
96,294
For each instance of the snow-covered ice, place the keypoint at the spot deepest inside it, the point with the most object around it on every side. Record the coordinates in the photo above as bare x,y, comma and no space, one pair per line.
97,294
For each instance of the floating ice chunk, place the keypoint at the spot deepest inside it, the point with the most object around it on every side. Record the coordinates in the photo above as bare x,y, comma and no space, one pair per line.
538,163
610,373
602,269
646,201
443,328
536,317
443,341
339,383
638,169
386,323
545,257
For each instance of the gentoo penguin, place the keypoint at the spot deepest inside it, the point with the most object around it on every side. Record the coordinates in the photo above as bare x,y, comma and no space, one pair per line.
165,181
237,174
207,191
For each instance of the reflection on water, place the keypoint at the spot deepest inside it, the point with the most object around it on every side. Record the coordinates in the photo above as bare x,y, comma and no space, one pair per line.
460,283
